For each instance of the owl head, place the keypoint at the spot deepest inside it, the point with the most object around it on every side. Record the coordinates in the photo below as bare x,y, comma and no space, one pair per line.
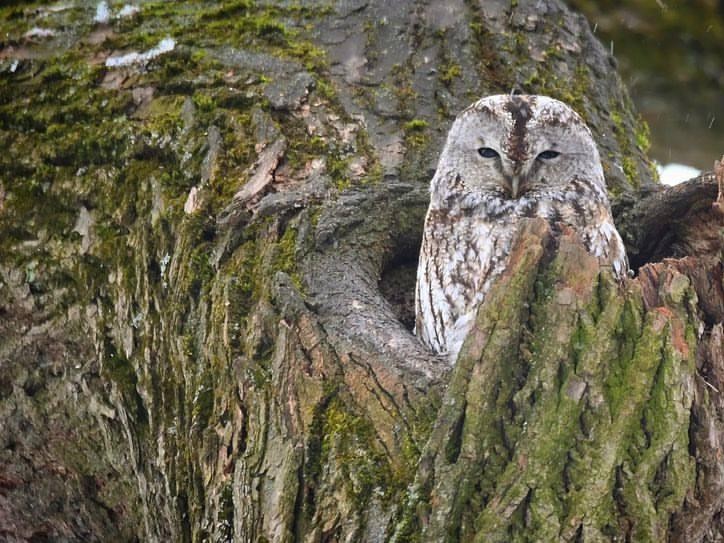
513,147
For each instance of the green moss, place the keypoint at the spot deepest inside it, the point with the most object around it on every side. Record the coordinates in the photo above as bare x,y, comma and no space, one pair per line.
302,148
262,25
204,102
202,405
312,58
228,10
572,91
74,134
246,287
120,371
405,93
325,89
338,169
201,269
449,72
337,155
364,466
415,125
342,437
617,120
658,450
628,160
285,259
628,164
416,132
642,135
643,143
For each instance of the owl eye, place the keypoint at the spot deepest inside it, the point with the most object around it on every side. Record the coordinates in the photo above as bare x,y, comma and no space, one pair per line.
547,155
487,152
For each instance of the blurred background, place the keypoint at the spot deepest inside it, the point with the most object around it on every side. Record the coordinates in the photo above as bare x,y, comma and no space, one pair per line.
671,56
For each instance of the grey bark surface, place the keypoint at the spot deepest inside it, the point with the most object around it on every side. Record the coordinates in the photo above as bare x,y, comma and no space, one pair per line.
204,323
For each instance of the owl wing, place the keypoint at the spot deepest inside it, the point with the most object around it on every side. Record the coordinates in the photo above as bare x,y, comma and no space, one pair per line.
605,243
460,256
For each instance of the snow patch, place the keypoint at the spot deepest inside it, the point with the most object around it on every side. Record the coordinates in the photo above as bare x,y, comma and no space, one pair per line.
164,46
103,13
128,10
673,173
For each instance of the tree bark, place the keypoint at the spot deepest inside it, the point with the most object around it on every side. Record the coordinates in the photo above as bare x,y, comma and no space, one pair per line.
206,271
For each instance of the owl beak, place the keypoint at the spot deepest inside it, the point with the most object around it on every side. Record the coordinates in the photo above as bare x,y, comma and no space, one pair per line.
517,186
515,181
514,186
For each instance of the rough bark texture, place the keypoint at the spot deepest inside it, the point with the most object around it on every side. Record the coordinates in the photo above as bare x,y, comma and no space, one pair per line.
206,265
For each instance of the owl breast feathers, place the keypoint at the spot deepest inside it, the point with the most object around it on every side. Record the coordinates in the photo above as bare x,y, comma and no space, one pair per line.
506,158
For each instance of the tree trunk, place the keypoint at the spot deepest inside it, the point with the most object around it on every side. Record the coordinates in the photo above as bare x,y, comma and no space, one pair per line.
207,266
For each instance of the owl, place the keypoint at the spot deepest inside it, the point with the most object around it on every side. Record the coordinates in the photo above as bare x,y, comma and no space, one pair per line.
506,157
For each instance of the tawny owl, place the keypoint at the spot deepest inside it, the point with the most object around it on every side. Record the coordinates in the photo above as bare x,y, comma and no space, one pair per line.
506,157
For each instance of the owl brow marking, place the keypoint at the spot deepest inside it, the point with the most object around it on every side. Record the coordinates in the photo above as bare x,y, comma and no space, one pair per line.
521,113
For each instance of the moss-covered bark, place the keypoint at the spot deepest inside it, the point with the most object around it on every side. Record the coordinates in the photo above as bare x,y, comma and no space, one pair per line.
194,345
567,414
